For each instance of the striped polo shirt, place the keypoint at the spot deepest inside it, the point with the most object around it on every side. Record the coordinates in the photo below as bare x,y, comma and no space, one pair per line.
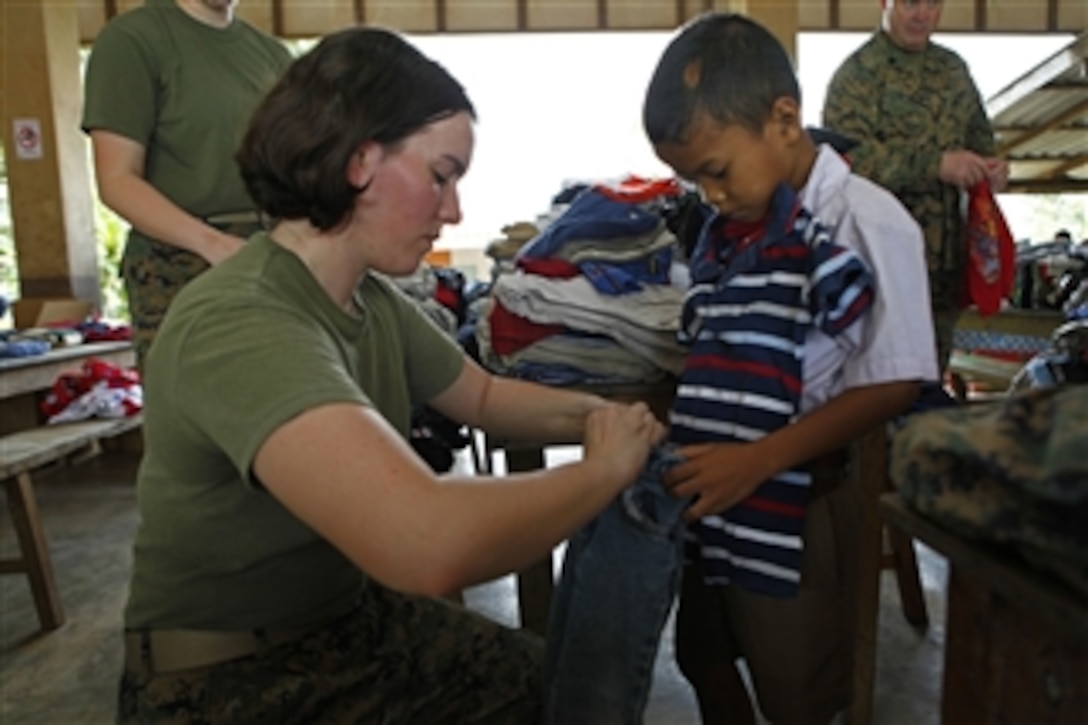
753,299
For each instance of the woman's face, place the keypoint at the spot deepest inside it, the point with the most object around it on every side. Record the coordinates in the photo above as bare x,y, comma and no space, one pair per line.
412,194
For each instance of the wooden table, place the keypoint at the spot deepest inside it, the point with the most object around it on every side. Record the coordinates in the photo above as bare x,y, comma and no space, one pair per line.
1030,328
23,378
1013,333
27,445
536,584
1016,645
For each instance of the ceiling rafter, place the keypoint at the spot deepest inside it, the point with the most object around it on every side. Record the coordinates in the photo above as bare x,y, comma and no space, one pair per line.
1047,186
1039,129
1062,169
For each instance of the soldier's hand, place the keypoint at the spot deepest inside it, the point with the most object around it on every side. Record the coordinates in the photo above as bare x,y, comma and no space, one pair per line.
225,245
962,168
997,171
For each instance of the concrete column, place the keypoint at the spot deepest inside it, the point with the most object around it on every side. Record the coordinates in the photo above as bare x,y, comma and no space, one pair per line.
48,167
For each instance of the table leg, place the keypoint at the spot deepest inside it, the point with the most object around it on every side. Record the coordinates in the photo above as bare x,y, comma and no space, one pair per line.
535,583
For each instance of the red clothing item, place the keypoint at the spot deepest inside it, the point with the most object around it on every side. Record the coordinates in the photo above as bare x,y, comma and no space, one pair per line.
510,332
991,252
549,267
636,189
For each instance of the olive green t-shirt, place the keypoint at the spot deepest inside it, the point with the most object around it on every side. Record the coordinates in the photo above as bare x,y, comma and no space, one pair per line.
247,346
185,91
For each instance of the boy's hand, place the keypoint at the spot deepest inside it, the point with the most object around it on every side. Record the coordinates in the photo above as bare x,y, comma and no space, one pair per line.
719,475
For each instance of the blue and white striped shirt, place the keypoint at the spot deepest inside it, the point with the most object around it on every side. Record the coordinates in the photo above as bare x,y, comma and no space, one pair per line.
745,319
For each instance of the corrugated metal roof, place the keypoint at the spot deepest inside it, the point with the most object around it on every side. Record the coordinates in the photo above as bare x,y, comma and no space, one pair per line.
1041,121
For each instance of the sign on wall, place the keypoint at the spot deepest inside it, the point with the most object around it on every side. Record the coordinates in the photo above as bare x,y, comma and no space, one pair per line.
27,133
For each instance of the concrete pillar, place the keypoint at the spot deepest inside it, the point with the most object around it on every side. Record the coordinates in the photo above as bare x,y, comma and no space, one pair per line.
47,159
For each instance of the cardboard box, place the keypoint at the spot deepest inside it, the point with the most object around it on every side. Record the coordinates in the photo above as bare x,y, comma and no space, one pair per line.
42,312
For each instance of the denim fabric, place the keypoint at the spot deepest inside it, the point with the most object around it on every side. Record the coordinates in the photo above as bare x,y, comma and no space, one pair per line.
620,575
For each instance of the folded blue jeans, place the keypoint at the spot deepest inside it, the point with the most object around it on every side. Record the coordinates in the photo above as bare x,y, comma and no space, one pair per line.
620,575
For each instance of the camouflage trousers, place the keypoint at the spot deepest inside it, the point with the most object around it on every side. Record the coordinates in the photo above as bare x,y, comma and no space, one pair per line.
153,273
1012,472
395,659
946,294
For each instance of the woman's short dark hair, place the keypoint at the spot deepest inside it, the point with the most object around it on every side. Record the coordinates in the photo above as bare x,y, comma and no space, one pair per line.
356,85
721,64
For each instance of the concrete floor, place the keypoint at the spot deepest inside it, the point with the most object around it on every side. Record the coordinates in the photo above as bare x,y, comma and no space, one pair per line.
69,675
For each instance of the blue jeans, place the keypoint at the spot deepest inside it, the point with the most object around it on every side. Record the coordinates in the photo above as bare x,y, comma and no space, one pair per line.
620,575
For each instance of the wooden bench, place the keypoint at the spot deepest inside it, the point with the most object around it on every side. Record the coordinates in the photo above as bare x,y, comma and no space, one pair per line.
24,452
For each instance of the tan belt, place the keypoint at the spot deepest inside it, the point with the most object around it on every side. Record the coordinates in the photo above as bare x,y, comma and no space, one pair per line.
173,650
235,217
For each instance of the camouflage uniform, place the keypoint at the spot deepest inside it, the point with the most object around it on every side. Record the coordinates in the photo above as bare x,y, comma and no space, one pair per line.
906,109
395,659
1012,472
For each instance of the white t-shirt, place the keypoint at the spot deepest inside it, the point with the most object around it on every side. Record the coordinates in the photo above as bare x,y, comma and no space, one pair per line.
894,340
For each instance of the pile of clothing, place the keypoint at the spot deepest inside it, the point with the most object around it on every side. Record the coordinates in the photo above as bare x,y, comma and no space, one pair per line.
99,390
595,296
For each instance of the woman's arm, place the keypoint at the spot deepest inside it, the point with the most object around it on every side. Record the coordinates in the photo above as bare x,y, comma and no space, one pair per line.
346,473
119,171
515,409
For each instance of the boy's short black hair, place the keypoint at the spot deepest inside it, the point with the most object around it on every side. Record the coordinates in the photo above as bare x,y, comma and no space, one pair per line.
724,65
356,85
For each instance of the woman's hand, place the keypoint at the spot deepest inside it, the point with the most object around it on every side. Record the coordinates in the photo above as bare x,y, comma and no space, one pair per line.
221,246
620,436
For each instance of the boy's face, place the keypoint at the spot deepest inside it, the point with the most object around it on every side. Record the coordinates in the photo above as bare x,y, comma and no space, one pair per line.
736,170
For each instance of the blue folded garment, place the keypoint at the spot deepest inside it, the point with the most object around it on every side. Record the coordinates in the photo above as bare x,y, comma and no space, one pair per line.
24,348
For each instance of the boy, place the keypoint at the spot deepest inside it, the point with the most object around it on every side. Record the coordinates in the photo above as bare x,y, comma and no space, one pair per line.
805,332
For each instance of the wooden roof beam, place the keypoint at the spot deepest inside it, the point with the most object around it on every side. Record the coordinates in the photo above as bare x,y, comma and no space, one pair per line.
1059,120
1060,171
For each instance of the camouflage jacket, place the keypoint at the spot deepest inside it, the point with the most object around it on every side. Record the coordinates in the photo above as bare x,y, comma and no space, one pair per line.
905,109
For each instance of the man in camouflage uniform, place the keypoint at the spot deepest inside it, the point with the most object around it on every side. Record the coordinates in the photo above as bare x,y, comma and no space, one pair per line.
923,134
